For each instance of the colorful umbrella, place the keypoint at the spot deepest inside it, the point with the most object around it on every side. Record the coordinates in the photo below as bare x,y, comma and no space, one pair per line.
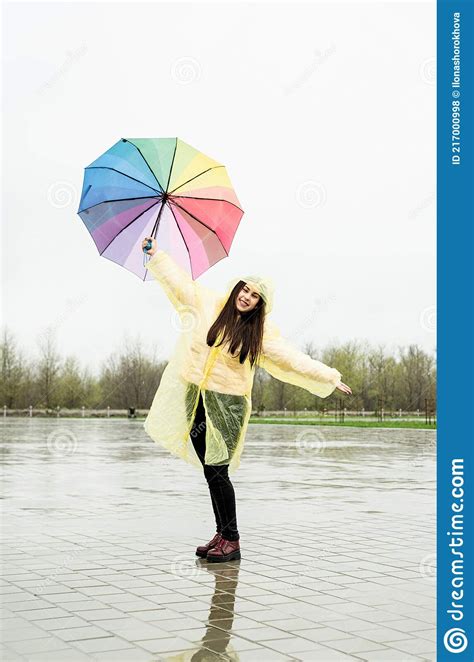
161,188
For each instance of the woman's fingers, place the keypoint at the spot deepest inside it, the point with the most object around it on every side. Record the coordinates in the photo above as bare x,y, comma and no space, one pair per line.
344,388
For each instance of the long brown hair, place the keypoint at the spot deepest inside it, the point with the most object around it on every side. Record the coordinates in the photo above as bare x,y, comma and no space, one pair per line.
244,330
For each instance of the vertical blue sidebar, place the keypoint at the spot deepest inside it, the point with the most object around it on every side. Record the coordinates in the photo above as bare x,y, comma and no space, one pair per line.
455,255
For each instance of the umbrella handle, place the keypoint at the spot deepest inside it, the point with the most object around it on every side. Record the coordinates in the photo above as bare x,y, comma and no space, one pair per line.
146,248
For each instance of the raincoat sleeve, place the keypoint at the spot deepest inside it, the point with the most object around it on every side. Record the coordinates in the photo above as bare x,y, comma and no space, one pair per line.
178,285
288,364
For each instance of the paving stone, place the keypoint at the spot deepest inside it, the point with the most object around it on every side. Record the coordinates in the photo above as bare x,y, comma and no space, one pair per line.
39,614
166,645
9,655
156,615
323,654
63,622
263,633
27,646
384,635
66,655
77,634
102,644
292,645
134,630
266,655
125,655
100,614
350,645
76,606
388,655
429,634
410,625
27,605
321,634
414,646
21,633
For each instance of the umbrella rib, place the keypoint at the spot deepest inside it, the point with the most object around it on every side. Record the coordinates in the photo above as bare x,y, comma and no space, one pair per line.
199,221
195,197
184,240
195,177
149,166
126,226
172,164
124,175
106,202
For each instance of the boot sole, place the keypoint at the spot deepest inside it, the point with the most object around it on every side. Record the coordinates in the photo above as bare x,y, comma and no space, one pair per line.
202,555
222,559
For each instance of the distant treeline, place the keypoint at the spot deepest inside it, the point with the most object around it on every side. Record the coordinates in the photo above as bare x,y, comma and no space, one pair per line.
130,376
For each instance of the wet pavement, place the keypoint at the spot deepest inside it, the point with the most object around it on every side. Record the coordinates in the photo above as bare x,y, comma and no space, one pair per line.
100,525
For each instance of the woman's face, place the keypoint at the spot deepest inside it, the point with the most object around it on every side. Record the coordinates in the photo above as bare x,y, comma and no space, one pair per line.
246,299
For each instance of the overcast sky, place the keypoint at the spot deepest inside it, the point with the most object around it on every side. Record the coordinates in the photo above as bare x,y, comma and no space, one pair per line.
323,114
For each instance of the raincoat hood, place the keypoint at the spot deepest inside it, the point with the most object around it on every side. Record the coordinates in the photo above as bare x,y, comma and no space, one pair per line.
264,285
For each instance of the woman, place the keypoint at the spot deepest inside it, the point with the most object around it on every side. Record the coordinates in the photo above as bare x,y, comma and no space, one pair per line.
205,391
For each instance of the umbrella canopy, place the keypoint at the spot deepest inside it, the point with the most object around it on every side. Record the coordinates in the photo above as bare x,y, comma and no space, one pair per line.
161,188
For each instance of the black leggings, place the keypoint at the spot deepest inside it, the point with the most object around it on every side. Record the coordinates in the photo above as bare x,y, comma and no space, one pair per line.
217,476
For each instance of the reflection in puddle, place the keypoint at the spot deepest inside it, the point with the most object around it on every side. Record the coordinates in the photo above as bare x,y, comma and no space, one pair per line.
217,638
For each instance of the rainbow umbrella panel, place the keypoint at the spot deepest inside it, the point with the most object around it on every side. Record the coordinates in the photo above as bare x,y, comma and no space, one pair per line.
164,188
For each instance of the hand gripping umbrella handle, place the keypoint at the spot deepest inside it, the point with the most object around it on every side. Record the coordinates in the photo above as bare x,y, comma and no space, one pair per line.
146,248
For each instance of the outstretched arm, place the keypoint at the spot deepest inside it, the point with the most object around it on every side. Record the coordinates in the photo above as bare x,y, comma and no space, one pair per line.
288,364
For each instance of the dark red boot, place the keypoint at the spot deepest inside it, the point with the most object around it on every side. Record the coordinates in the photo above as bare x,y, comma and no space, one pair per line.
202,550
225,550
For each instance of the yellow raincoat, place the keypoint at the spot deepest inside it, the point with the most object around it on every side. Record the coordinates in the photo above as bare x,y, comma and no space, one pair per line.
225,383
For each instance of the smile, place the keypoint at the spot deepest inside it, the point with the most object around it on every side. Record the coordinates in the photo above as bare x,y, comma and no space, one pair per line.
244,303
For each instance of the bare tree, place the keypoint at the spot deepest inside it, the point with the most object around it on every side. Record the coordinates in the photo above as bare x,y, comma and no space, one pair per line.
72,391
418,376
12,370
259,389
48,368
129,378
